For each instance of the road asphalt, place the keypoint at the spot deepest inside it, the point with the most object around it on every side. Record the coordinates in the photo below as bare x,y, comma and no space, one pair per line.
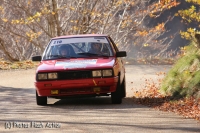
19,112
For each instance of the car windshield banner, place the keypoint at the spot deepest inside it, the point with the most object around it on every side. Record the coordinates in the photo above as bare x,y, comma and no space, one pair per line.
79,40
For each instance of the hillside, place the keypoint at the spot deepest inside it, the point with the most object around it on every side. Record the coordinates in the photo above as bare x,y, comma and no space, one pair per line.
184,77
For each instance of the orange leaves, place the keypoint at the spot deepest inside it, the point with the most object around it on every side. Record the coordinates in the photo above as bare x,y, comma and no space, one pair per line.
188,34
2,10
189,15
118,3
4,64
5,20
72,8
149,96
169,2
160,27
74,21
30,19
33,35
147,32
160,73
161,6
126,22
187,107
142,33
146,45
137,94
151,89
53,13
75,28
29,2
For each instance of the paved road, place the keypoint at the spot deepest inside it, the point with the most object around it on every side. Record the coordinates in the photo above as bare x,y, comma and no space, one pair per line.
89,115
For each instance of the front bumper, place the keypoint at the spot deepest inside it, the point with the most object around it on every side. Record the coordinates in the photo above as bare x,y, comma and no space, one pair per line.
77,87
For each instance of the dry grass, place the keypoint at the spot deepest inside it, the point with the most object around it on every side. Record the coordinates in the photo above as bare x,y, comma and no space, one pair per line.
6,65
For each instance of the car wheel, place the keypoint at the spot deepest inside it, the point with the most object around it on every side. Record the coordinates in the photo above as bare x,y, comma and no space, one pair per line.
116,97
41,100
123,87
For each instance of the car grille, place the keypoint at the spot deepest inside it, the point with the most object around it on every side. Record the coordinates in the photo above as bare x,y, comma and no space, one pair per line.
74,75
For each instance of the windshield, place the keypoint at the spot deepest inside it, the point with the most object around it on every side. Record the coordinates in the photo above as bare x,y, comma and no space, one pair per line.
78,48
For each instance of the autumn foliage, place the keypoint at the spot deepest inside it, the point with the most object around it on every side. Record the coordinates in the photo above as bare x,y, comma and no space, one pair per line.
150,95
179,90
190,15
27,25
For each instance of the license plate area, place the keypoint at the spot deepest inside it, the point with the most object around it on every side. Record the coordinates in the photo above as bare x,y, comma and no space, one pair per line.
96,89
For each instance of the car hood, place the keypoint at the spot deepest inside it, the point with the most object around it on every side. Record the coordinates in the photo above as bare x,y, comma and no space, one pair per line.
76,64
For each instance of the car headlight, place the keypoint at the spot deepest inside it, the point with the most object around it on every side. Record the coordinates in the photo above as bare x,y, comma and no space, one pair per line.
52,76
96,73
46,76
42,76
102,73
107,73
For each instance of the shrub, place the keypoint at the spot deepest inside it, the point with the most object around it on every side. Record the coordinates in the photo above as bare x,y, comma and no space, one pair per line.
183,80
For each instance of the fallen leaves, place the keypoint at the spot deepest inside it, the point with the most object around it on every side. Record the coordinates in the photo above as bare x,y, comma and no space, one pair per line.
188,107
6,65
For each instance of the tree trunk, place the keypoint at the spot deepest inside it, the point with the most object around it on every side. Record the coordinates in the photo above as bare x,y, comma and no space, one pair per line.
197,36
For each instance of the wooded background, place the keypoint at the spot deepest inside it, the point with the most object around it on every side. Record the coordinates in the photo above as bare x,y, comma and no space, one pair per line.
26,26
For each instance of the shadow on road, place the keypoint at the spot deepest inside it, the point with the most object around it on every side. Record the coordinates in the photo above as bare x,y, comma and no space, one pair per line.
19,104
26,96
95,103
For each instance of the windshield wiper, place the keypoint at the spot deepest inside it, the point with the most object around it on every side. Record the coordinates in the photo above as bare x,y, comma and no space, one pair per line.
61,56
93,54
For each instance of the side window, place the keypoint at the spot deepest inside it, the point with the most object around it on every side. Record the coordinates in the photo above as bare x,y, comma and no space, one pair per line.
49,52
113,44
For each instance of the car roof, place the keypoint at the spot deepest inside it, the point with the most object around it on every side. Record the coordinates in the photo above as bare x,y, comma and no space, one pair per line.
81,35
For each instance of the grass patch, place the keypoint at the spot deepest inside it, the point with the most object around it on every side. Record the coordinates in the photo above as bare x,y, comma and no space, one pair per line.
183,80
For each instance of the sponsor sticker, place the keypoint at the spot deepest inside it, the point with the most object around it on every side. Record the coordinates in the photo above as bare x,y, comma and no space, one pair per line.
75,63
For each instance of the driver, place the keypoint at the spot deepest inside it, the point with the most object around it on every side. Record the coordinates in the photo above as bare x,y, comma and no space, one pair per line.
64,50
95,48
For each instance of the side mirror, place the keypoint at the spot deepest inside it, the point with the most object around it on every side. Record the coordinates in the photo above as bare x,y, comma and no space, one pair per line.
121,54
37,58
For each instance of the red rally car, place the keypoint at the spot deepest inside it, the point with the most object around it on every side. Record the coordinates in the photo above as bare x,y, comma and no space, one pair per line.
80,65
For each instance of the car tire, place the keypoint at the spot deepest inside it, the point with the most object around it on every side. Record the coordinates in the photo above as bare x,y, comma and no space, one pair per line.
123,87
41,100
116,97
